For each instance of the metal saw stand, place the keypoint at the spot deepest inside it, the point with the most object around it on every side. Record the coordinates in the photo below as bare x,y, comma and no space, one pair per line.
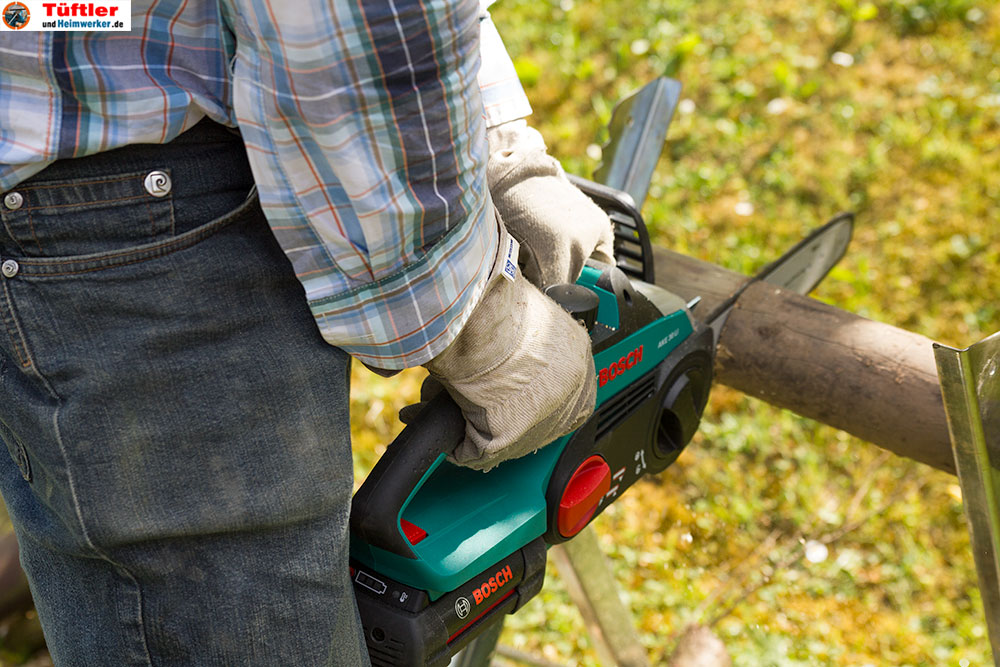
970,387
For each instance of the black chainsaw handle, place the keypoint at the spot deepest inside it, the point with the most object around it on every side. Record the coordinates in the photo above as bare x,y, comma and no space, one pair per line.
378,504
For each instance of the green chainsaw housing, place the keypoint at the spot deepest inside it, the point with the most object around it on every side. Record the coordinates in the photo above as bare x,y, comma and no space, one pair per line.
432,542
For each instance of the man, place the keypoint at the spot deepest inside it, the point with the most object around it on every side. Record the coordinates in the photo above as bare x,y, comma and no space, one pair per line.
179,476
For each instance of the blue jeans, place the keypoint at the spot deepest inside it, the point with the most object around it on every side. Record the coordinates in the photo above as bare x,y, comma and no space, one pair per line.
180,471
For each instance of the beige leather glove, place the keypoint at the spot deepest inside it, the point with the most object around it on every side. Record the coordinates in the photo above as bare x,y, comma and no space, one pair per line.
558,226
520,369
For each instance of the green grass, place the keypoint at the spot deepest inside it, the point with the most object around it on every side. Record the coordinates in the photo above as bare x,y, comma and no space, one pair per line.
904,132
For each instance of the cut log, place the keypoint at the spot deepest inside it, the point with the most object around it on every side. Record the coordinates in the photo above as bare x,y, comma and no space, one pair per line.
872,380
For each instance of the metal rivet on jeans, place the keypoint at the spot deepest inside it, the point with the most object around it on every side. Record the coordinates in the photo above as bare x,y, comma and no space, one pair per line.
13,200
157,183
9,268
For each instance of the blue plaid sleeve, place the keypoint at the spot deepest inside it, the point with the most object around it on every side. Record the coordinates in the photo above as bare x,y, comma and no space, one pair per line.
364,127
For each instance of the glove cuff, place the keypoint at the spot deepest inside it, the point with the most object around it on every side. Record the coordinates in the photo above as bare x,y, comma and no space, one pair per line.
521,372
494,330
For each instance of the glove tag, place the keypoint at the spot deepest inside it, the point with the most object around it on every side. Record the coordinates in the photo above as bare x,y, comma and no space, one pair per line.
509,269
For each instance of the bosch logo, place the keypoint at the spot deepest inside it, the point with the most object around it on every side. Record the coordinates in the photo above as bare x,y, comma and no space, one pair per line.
462,607
494,583
616,368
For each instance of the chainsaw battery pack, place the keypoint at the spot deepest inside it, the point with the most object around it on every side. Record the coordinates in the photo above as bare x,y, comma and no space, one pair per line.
404,627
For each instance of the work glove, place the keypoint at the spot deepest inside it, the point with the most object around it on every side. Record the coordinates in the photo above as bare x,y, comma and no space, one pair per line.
521,371
558,226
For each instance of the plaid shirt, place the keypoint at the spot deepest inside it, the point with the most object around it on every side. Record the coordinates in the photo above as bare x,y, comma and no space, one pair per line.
363,124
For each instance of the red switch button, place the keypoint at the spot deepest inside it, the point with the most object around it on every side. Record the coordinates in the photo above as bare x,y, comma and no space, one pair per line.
582,495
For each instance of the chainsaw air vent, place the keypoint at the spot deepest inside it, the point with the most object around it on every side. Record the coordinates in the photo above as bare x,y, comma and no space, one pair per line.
387,653
633,253
612,413
629,252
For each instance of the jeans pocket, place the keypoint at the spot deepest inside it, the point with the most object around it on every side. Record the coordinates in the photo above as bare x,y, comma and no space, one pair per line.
83,216
30,267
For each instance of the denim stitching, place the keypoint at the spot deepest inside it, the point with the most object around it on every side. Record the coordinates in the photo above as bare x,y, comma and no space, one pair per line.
116,179
122,259
14,331
50,268
86,534
31,227
87,204
11,235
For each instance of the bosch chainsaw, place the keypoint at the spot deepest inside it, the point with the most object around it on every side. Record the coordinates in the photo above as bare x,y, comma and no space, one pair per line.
439,552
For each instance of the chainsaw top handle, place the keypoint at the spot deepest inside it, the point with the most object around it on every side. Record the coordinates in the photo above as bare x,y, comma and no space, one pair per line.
379,503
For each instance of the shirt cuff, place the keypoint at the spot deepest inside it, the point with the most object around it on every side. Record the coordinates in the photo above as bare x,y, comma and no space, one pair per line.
408,318
503,96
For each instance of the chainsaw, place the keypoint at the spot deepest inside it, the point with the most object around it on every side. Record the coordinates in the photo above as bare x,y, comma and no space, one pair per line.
440,552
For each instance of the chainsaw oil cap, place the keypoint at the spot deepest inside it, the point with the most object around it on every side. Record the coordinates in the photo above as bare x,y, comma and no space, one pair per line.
582,494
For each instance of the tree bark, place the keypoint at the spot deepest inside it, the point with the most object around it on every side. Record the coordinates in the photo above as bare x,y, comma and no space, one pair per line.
872,380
